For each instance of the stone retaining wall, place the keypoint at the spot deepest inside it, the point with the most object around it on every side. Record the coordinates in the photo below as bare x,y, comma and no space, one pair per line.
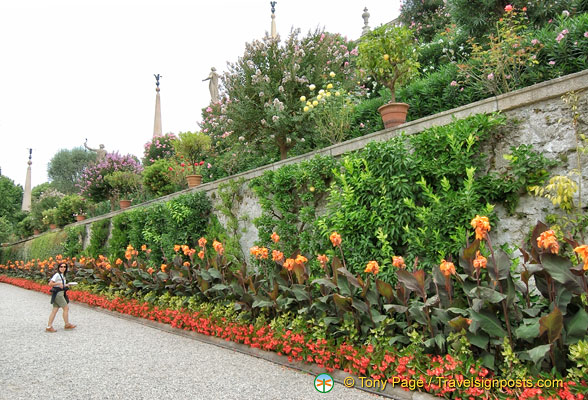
539,118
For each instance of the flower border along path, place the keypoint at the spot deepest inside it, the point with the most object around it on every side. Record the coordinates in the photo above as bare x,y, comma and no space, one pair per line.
259,343
315,356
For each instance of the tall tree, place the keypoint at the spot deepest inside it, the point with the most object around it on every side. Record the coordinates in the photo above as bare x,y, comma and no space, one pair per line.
10,199
66,167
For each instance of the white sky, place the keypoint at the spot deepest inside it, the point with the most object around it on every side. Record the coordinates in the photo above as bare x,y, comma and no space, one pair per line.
77,69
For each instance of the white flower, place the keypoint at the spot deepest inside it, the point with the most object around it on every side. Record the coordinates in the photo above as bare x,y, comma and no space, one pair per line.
302,140
241,138
312,87
288,140
275,118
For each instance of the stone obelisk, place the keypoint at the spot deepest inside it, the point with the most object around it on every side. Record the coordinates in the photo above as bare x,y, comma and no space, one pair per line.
26,198
273,31
157,125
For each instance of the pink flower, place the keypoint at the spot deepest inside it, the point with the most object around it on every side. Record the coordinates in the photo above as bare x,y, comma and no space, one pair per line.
551,62
491,75
534,42
209,165
508,8
586,34
453,83
208,109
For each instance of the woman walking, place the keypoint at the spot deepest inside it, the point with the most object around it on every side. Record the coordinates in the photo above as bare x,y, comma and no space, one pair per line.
59,287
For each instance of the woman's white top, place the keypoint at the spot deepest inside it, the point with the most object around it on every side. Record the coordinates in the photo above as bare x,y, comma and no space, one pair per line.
57,278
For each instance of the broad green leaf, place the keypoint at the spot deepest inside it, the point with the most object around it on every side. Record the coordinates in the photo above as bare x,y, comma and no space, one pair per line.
487,294
528,331
577,327
559,269
538,353
479,340
326,282
489,323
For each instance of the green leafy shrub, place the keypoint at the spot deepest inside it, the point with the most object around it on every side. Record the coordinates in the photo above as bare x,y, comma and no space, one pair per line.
70,206
289,197
408,195
123,183
119,238
74,241
159,178
98,237
46,245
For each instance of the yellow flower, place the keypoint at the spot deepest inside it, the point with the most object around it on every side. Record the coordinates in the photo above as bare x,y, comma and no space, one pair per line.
306,108
312,87
315,103
321,91
337,94
320,96
332,74
330,86
302,98
309,103
386,57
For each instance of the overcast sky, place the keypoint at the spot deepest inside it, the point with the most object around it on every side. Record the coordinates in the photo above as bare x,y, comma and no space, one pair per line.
77,69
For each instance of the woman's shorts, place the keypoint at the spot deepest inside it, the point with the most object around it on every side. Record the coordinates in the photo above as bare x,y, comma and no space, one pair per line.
60,300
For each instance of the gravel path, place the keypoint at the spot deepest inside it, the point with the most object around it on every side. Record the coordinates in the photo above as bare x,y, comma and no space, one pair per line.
107,357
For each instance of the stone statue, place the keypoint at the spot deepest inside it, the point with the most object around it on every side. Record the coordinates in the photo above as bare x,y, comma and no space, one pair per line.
157,80
100,153
213,85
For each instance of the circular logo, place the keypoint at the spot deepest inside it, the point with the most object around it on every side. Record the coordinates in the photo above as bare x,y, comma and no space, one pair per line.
323,383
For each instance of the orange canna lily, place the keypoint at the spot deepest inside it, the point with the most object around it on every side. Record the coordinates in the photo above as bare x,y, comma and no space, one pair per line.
202,242
398,262
275,237
300,259
289,264
583,253
480,261
548,241
372,267
335,239
481,225
218,247
177,247
323,259
447,268
277,256
201,254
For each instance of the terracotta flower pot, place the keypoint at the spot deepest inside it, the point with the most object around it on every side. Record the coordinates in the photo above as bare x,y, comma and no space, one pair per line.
52,226
36,232
80,217
393,114
124,204
194,180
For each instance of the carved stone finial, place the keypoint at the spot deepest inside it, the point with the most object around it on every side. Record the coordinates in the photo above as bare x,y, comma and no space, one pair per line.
365,16
273,4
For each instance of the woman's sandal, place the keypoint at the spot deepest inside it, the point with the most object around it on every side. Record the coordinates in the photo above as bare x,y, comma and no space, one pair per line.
69,326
